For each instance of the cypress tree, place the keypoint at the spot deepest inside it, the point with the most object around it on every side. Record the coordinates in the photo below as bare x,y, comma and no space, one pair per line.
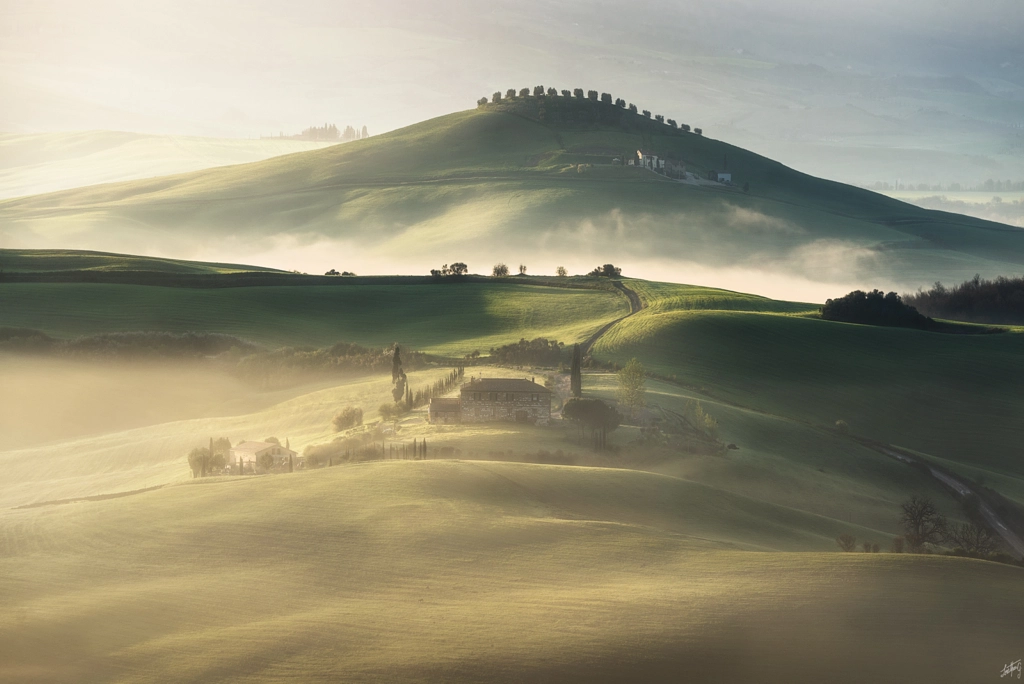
291,465
576,373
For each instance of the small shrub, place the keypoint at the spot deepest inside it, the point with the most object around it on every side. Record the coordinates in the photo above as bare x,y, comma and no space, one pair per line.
847,542
897,545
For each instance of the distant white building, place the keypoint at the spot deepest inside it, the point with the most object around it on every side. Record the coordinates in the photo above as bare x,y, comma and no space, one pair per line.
649,160
250,452
725,177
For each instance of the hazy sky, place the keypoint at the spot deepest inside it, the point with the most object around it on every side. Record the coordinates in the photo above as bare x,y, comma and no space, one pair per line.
226,67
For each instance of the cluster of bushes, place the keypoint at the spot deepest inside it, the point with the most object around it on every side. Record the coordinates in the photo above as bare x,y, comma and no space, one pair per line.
607,271
124,345
537,352
348,417
207,460
976,300
456,270
593,415
875,308
599,106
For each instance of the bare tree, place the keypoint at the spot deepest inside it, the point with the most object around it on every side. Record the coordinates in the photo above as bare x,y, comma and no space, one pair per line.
522,269
972,537
500,270
561,272
847,542
922,523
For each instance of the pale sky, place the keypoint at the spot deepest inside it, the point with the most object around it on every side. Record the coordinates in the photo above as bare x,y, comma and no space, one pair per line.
234,68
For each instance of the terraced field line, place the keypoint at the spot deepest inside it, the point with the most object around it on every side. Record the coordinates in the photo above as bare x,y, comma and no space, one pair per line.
635,305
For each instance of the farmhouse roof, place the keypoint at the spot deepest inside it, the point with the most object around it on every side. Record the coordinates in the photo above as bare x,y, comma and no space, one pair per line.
503,385
255,447
438,403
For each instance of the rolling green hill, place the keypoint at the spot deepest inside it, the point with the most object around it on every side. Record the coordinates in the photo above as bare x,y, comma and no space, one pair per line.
952,396
468,571
447,318
51,260
499,182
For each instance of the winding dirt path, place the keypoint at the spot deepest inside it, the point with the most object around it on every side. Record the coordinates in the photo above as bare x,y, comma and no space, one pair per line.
635,305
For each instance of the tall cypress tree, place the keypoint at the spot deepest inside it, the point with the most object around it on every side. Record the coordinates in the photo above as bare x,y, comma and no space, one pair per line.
397,376
576,373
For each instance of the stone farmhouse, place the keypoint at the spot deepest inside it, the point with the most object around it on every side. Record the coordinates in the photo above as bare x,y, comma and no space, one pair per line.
488,400
250,452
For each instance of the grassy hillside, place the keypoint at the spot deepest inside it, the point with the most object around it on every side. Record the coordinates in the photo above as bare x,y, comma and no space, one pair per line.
492,184
450,318
954,396
47,162
40,260
465,571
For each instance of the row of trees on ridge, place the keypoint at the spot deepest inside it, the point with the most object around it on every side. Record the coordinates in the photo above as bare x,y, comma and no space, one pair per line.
579,94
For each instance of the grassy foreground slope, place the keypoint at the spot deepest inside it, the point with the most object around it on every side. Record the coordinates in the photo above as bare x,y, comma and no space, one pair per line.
452,318
954,396
463,571
494,183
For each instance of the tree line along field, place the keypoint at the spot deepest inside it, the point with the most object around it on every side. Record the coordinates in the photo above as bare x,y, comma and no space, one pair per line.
498,178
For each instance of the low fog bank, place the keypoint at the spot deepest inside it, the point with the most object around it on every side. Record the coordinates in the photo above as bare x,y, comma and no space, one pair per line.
48,399
55,390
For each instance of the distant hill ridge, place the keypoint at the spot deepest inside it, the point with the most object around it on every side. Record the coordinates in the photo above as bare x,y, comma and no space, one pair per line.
497,182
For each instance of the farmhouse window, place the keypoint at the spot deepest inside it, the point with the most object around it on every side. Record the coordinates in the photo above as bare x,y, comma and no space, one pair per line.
533,398
494,396
510,396
476,396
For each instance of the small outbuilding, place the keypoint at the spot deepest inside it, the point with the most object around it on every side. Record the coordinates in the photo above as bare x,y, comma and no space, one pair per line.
445,410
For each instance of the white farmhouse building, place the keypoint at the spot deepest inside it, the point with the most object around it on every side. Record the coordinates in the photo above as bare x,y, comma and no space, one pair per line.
250,452
649,160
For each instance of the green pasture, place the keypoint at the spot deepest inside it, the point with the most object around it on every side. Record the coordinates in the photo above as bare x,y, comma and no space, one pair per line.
953,396
444,318
41,260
